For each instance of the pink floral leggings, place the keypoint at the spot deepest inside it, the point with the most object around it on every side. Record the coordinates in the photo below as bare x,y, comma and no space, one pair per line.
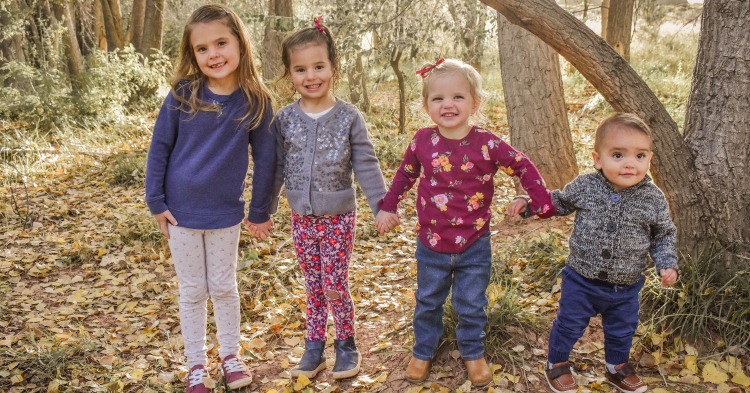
324,245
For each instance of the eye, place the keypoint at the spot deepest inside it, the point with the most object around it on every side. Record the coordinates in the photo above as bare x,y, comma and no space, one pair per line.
222,43
641,156
459,97
320,67
617,155
200,50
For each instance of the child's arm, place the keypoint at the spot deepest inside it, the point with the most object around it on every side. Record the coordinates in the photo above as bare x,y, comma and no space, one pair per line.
263,150
162,144
668,276
404,179
663,243
515,163
365,164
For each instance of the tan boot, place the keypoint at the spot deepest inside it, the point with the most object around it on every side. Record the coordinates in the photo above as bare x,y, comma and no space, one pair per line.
417,370
479,372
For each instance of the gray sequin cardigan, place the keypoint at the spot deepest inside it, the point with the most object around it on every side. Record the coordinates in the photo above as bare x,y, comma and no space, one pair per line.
614,233
317,157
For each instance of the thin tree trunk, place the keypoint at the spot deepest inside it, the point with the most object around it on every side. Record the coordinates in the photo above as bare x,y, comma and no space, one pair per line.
470,21
534,98
395,60
152,26
135,30
73,56
358,84
112,23
605,18
279,23
620,26
100,30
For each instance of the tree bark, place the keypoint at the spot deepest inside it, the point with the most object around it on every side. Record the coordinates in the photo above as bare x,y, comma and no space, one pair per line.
73,56
620,25
605,18
358,84
537,115
470,21
100,30
152,26
672,166
717,121
112,23
279,23
135,30
395,61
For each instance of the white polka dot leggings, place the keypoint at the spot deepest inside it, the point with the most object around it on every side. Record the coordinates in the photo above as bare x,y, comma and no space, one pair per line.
206,263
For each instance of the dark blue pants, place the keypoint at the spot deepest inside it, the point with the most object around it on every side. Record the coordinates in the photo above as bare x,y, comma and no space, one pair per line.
468,274
582,299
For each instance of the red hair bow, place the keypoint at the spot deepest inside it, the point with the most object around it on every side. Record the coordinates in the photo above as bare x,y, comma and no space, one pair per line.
424,72
319,24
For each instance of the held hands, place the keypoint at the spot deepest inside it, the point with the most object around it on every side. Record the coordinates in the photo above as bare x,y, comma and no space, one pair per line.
260,231
163,220
516,207
385,221
668,276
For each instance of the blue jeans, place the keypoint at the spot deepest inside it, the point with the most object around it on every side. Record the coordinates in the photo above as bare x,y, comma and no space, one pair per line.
583,298
469,274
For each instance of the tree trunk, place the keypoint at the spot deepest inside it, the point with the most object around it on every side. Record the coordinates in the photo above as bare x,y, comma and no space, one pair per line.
358,84
605,18
279,23
100,30
395,61
152,26
135,30
673,168
717,123
470,21
534,98
620,26
112,23
73,56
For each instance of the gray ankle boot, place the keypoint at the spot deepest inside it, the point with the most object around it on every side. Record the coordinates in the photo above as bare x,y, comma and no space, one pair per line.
313,361
347,358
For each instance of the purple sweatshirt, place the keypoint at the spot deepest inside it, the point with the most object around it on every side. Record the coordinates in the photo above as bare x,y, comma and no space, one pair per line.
198,162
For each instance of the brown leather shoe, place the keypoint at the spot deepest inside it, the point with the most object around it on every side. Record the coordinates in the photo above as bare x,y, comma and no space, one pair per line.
625,379
417,370
479,372
560,379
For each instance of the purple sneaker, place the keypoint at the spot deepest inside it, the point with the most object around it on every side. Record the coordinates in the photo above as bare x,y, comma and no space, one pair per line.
195,380
236,373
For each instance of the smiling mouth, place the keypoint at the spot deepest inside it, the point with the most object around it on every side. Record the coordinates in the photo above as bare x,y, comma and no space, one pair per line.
217,65
313,87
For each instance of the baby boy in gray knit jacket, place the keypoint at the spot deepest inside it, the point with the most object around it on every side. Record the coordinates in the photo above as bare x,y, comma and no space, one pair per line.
622,218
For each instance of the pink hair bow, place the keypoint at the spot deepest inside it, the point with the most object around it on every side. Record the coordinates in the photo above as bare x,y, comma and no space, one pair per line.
319,24
424,72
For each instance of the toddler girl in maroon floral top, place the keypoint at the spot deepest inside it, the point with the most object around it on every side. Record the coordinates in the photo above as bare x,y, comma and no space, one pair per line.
455,163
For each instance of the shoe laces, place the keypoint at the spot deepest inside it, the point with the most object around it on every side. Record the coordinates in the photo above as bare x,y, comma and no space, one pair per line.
233,366
196,376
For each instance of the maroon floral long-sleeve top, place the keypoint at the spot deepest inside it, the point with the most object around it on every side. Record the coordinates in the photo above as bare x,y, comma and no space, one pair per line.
456,187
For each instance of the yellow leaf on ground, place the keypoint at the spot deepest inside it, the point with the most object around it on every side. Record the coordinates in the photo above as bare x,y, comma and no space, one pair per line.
54,386
712,373
302,381
741,379
660,390
691,363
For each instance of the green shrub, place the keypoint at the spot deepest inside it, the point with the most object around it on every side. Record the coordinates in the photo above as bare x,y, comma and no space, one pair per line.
127,170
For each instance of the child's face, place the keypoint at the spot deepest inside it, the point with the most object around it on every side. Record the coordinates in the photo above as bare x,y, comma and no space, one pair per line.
217,52
624,156
450,103
311,71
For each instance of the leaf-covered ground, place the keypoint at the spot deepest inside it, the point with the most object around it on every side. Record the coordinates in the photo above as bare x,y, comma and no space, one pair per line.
88,302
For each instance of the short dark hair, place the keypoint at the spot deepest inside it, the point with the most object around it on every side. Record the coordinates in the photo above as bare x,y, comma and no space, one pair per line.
623,119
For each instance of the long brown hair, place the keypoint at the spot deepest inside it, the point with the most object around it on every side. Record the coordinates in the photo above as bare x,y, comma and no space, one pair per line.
187,69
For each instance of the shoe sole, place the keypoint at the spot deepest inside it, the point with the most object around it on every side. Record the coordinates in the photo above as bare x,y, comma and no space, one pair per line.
419,380
348,373
310,374
642,389
549,384
240,383
481,384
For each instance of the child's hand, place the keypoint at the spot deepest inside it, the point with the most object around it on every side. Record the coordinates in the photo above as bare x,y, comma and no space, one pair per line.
668,276
163,220
385,221
260,231
516,207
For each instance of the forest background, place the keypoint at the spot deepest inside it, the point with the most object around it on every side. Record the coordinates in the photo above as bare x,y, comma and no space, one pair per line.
87,292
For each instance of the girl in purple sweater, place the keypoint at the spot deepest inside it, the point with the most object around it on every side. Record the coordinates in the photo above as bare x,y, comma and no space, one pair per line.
455,164
195,178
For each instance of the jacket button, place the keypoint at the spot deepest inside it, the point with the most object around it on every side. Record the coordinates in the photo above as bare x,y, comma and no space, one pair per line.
611,226
615,198
606,254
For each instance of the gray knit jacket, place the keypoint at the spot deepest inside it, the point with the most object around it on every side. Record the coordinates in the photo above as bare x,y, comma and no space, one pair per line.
316,159
614,233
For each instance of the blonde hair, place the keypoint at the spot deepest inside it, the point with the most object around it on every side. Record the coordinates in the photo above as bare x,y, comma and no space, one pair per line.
449,66
629,120
187,69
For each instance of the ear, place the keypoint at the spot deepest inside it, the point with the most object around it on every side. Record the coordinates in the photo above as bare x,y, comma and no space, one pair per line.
477,104
597,160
